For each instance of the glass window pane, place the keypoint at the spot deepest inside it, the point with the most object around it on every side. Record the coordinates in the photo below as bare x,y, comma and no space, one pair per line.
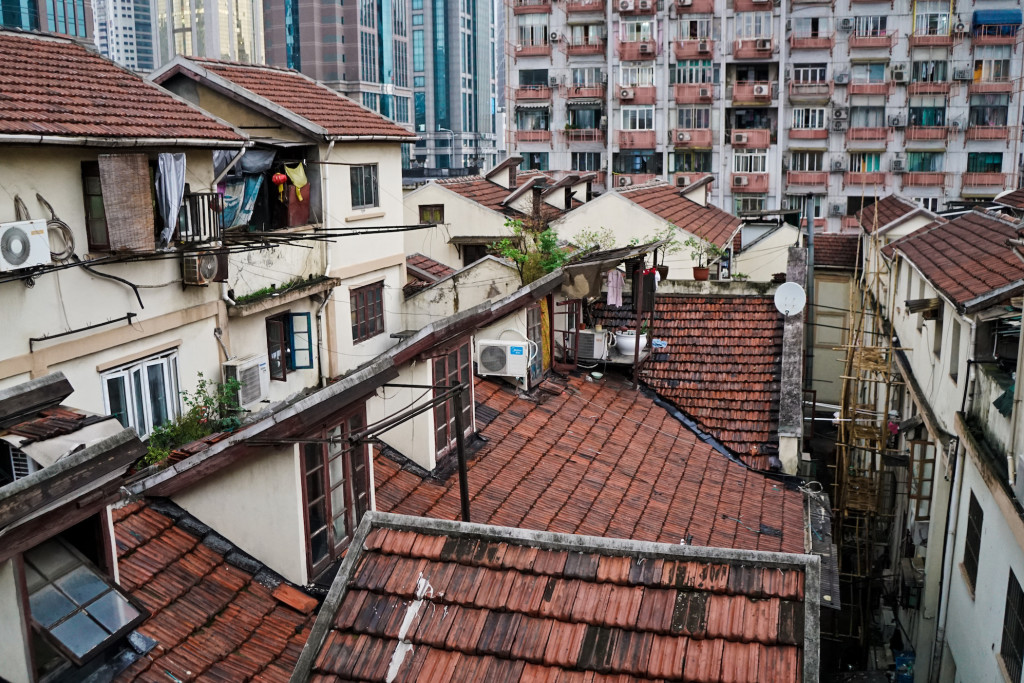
49,606
157,393
52,559
314,486
142,425
33,579
118,400
113,612
80,634
81,585
318,546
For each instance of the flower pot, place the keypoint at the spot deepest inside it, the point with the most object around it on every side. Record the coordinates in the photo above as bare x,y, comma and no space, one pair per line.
625,342
663,271
701,273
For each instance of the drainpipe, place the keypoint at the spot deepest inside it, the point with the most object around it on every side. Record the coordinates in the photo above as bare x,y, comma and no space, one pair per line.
325,196
609,178
811,316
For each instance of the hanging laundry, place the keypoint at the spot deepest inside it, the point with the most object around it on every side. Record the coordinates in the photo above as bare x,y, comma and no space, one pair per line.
615,284
170,191
297,174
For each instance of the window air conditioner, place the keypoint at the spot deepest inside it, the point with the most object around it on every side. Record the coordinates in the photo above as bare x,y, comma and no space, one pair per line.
739,138
740,181
682,181
763,44
703,46
625,181
704,93
762,91
24,244
625,5
683,136
202,268
846,24
593,345
253,373
962,75
896,122
842,78
898,165
503,358
625,93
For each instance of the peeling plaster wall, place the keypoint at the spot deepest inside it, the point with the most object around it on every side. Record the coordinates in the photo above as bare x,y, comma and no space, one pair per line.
486,280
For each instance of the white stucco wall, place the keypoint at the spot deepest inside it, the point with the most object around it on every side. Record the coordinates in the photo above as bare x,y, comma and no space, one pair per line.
767,256
831,319
462,218
489,279
413,438
14,665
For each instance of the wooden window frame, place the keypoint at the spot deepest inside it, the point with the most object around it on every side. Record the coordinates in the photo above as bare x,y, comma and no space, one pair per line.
367,311
444,413
1011,648
91,171
278,330
431,214
972,542
920,479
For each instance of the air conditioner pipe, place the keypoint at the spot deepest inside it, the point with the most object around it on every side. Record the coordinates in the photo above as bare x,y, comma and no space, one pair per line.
135,289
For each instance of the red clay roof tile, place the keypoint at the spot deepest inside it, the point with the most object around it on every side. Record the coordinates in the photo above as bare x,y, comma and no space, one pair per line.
664,200
884,211
836,250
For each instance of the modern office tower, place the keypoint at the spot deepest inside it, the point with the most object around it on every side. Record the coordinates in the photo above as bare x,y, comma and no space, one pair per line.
72,18
454,88
224,29
123,32
779,100
359,48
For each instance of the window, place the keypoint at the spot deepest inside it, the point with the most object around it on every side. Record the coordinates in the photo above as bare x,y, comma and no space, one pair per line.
927,110
816,206
637,30
586,34
932,204
637,161
401,109
868,72
638,118
809,118
584,118
694,29
992,62
144,394
922,471
533,119
535,161
371,101
74,608
694,117
587,77
691,71
537,77
364,186
871,27
431,213
924,162
931,18
368,57
753,25
810,73
865,162
750,161
972,544
121,231
289,344
417,50
984,162
693,161
636,74
335,489
748,203
867,112
930,66
989,109
533,30
367,311
1012,648
586,161
451,369
807,161
937,336
810,27
954,350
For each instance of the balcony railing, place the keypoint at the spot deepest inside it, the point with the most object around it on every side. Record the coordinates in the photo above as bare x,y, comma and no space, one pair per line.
533,136
752,5
812,42
693,49
533,92
749,182
585,6
533,50
584,91
751,138
924,179
201,218
884,39
753,48
637,50
637,94
691,138
855,134
807,178
627,179
637,139
869,88
994,428
760,92
695,6
930,39
994,35
693,93
926,133
999,180
583,135
987,133
531,6
868,179
808,133
592,47
929,88
808,92
990,86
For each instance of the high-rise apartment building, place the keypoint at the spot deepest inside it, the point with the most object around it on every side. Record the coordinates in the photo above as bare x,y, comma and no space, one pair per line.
123,32
779,100
224,29
72,18
453,80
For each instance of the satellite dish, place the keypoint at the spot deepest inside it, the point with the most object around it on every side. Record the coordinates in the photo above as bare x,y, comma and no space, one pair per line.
790,298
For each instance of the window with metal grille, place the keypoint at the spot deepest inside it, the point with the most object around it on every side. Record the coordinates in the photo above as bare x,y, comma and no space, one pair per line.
450,369
1012,648
972,545
367,311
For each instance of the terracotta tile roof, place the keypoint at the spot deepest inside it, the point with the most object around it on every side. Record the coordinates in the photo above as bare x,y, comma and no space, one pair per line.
490,194
836,250
57,87
473,603
417,266
1014,199
209,617
602,459
664,200
52,422
888,209
965,258
302,95
721,366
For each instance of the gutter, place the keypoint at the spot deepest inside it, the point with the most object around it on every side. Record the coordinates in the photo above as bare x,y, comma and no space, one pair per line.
83,141
371,138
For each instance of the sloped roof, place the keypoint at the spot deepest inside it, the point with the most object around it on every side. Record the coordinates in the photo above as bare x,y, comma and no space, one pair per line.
836,250
209,617
967,258
664,200
430,601
490,194
721,367
418,265
303,96
888,209
56,87
1014,199
602,459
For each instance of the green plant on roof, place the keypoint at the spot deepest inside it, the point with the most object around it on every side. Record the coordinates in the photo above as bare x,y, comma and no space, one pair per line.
703,252
533,248
211,408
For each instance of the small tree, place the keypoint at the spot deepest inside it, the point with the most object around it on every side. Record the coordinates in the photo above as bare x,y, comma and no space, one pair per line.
533,249
210,408
702,251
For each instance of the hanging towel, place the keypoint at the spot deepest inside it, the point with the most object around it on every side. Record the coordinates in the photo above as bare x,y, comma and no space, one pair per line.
615,283
170,191
297,174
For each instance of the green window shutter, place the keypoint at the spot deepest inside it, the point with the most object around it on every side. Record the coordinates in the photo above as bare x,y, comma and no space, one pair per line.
301,341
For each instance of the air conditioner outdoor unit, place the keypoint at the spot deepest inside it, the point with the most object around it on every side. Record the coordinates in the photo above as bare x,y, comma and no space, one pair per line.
836,210
22,465
840,114
646,48
899,73
962,75
604,122
956,124
625,181
686,3
625,93
896,122
898,165
253,374
842,78
785,204
645,4
838,124
682,181
740,181
704,93
593,345
763,44
739,138
703,46
553,80
503,358
626,5
762,91
838,166
24,244
960,27
203,268
554,36
682,136
846,24
519,48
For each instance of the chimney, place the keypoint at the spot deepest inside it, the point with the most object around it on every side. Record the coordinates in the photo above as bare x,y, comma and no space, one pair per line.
512,176
568,198
537,190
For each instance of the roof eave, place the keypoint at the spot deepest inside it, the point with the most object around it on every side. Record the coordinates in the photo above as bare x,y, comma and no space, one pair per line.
990,298
372,138
90,141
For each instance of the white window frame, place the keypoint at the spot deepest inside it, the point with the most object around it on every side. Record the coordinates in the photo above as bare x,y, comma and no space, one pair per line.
872,26
807,160
636,75
695,118
533,30
810,73
637,30
809,118
992,62
865,162
748,203
750,161
698,71
693,29
931,18
638,117
754,25
138,402
586,77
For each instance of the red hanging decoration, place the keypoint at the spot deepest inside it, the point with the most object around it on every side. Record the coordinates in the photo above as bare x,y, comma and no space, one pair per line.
279,179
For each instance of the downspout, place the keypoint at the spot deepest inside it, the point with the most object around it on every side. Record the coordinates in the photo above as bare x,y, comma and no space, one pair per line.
609,176
325,200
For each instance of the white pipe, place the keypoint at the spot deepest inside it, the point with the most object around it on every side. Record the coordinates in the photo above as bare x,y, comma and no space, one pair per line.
224,294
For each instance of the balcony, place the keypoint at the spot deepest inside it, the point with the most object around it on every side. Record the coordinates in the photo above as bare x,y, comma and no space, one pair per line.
874,134
748,182
815,179
924,179
636,50
759,92
695,6
637,94
533,136
812,42
692,138
987,133
994,35
752,5
637,139
693,49
882,39
686,178
926,133
929,88
533,51
978,181
862,179
585,91
627,179
574,6
808,133
533,92
531,6
201,219
985,421
694,93
756,138
930,39
592,47
572,135
753,48
869,88
991,86
810,92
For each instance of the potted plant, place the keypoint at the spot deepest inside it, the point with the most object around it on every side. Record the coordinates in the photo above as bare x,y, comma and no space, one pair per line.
627,340
703,253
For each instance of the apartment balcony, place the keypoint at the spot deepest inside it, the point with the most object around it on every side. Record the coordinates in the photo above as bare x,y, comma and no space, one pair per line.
869,88
627,179
592,47
533,136
924,179
574,6
695,6
533,92
986,181
577,92
864,179
637,50
693,49
987,133
748,182
985,420
688,178
883,40
759,92
692,138
533,51
994,35
928,39
872,134
929,88
812,42
810,179
201,219
752,5
637,139
531,6
993,86
808,133
694,93
810,92
751,138
637,94
753,48
573,135
926,133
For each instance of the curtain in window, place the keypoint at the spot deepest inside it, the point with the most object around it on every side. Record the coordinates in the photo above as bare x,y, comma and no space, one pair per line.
170,191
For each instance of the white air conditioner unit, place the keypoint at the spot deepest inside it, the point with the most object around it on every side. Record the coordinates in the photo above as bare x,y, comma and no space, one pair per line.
762,91
646,48
763,44
503,358
896,121
840,114
898,165
838,165
593,345
956,124
201,269
836,210
686,3
703,46
899,73
740,181
626,93
960,27
842,78
604,122
682,181
554,36
626,5
739,138
253,374
704,93
625,181
785,204
962,75
24,244
683,136
645,4
519,48
553,80
846,24
838,124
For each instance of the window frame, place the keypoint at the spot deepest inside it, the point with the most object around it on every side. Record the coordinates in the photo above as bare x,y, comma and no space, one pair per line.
431,214
921,478
1012,641
358,177
972,543
444,412
166,359
360,304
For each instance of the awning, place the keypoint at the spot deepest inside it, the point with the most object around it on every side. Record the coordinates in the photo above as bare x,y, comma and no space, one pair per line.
585,103
922,305
997,17
534,105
